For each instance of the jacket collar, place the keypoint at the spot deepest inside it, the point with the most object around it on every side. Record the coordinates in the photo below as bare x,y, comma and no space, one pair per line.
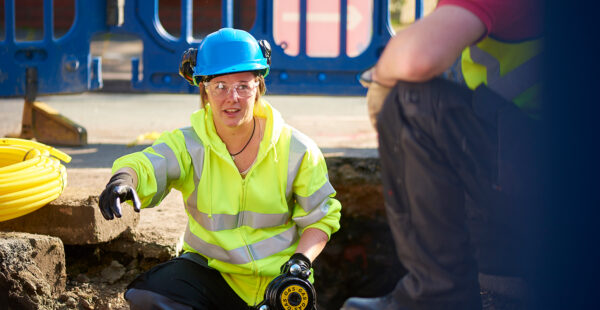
202,122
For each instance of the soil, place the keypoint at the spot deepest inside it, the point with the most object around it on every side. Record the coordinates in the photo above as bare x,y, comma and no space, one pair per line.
97,279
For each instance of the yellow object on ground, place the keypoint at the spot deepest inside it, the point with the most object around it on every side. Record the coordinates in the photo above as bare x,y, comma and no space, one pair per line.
148,137
31,176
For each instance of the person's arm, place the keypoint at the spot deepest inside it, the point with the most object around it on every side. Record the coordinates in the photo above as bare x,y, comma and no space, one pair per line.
312,242
131,172
429,46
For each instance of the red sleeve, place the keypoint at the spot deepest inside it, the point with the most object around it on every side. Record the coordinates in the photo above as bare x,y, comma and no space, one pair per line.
505,19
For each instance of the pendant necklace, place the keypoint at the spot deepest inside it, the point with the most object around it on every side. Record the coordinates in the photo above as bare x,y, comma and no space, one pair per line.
252,135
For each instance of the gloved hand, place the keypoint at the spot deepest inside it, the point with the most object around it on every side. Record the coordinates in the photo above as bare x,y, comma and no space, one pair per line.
291,287
298,265
188,62
119,189
375,95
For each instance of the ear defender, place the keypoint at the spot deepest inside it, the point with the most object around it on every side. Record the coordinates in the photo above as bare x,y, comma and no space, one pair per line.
265,47
186,67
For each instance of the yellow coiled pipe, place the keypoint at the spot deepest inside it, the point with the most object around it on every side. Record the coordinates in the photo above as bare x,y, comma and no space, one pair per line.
31,176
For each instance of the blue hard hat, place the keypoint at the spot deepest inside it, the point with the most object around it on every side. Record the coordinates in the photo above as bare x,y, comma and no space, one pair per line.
231,50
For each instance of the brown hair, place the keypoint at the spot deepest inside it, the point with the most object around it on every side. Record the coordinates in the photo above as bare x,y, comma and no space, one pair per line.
262,89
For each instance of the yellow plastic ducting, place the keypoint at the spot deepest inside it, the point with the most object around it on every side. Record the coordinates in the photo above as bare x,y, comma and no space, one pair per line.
31,176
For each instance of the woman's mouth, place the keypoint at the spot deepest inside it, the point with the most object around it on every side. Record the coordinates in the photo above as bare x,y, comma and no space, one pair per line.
231,112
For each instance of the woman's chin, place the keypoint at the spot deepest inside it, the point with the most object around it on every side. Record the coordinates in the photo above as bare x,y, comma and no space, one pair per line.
232,123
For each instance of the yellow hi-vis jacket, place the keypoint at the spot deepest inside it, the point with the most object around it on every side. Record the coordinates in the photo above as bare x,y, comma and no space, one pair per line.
511,69
245,227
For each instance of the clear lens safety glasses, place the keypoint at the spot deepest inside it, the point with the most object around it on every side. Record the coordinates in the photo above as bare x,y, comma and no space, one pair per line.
222,90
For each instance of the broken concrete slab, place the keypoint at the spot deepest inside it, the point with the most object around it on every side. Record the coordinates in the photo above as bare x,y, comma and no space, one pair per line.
32,270
74,217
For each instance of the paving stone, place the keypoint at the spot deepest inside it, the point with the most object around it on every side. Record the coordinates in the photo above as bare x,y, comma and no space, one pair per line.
74,217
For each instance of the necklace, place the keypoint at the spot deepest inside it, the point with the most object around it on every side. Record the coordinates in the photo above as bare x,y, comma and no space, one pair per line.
252,135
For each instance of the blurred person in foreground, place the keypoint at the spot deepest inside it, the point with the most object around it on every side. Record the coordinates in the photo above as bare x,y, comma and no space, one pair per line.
457,156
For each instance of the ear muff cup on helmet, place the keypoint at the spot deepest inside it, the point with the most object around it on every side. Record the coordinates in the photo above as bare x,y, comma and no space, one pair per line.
188,62
265,47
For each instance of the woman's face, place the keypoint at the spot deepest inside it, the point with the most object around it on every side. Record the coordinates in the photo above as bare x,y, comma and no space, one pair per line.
232,98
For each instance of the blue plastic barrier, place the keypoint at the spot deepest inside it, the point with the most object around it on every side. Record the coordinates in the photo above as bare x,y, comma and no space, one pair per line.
305,74
64,65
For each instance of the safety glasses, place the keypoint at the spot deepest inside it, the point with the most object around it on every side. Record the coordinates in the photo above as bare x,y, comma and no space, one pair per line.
221,90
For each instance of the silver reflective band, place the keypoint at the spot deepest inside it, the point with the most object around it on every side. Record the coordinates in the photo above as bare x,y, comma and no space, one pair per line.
298,147
514,82
317,198
196,150
173,170
220,222
244,254
314,216
166,168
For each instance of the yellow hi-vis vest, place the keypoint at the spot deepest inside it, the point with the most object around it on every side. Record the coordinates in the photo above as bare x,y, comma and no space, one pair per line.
245,227
511,69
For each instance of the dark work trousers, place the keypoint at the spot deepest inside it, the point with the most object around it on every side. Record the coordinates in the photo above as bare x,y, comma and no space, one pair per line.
458,177
182,283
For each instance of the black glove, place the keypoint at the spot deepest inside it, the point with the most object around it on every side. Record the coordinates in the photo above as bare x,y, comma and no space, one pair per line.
298,265
119,189
188,62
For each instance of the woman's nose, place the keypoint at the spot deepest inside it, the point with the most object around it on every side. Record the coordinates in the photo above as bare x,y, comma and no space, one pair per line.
232,93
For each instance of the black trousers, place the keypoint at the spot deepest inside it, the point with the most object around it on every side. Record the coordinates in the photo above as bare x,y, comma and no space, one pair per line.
459,179
183,281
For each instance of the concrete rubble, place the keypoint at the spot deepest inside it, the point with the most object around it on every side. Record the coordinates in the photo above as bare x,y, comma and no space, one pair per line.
32,270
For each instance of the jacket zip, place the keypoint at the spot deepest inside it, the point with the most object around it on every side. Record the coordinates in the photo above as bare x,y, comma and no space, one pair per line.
243,198
240,221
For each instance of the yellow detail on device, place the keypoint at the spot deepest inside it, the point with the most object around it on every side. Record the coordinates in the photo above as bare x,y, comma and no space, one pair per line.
294,297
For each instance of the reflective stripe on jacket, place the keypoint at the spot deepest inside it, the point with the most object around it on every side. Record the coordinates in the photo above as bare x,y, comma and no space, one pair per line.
511,69
245,227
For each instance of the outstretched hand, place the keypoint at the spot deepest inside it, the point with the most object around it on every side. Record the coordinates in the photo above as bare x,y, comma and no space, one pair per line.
119,189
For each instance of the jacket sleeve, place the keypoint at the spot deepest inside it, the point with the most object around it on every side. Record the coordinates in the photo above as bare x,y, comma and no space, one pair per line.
315,205
159,168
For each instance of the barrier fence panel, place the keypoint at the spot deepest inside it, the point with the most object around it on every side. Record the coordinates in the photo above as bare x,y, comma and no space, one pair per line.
62,65
319,46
